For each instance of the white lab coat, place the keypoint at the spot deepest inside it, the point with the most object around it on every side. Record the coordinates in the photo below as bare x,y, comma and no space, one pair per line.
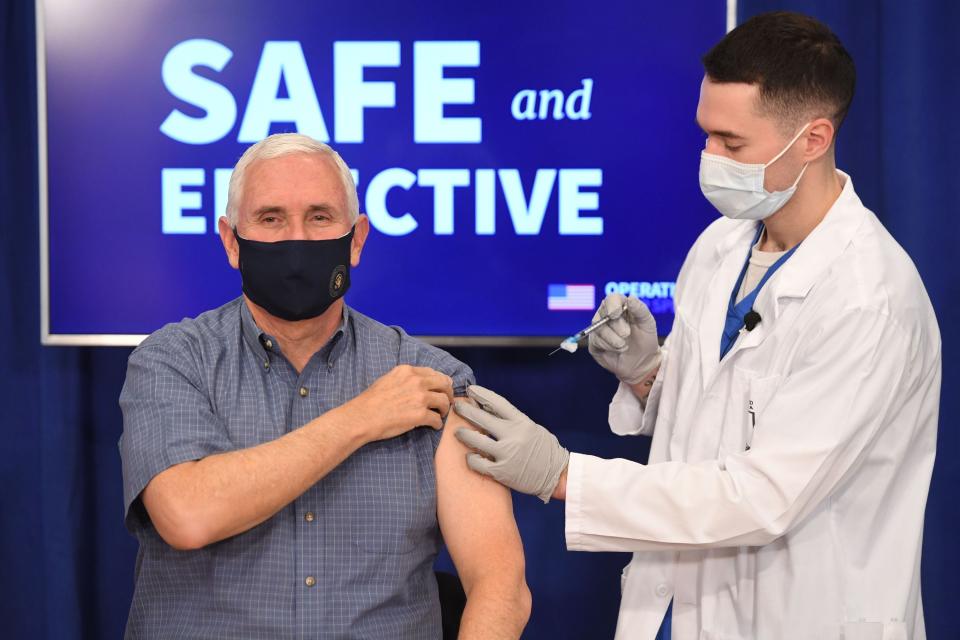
786,487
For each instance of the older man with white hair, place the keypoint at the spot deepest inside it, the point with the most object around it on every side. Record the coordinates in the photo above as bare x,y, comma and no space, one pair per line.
286,470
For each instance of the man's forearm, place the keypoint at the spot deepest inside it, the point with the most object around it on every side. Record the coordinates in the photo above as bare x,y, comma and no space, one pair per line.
497,609
197,503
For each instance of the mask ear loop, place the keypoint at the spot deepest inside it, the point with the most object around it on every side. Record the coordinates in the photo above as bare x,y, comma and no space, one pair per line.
352,229
787,148
789,144
802,171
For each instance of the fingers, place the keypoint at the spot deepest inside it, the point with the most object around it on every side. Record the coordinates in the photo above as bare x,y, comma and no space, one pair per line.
431,378
480,418
612,306
620,326
477,441
639,313
480,464
421,371
431,419
606,339
428,380
438,402
435,381
493,402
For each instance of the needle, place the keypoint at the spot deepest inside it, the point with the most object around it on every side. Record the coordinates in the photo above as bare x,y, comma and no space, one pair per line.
570,344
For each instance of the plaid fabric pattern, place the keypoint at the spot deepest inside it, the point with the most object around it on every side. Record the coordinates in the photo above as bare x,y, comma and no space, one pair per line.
350,558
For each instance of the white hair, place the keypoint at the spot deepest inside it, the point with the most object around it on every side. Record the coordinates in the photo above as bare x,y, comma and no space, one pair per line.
282,144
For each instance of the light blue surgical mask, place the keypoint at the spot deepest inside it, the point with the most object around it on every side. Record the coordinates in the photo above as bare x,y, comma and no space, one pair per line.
736,188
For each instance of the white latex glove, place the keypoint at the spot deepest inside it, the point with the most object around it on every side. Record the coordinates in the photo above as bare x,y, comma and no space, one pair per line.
521,454
627,346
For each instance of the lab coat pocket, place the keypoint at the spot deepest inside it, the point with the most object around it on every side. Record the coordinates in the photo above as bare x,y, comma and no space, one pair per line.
757,393
893,630
862,631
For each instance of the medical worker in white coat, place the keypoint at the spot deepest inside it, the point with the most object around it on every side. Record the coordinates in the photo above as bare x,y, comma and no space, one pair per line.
793,406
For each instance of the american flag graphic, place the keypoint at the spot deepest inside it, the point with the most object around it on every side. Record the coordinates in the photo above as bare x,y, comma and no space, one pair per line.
570,297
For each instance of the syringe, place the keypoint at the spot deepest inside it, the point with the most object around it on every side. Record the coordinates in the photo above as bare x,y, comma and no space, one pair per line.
570,344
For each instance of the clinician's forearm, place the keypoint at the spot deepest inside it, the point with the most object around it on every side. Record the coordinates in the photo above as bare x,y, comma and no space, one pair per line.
497,609
197,503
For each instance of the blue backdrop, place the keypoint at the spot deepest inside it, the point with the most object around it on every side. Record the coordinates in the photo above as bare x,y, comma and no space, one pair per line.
66,562
129,65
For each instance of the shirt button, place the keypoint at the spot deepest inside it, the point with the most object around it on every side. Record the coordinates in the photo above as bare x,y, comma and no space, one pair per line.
268,344
303,392
662,590
266,364
308,516
310,581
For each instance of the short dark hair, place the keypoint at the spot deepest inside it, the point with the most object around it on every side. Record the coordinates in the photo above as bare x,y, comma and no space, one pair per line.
801,67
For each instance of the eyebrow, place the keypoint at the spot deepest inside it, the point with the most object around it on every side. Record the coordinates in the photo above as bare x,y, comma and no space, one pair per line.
322,207
313,208
268,209
730,135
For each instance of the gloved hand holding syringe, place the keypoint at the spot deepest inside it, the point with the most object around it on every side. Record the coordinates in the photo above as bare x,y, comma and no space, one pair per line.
622,338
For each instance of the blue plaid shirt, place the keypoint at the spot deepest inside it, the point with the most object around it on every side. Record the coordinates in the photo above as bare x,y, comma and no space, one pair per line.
350,558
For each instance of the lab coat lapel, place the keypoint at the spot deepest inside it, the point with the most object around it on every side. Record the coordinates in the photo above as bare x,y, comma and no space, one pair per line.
732,251
798,274
766,305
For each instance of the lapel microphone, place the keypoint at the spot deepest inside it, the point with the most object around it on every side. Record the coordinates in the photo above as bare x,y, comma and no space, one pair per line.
751,320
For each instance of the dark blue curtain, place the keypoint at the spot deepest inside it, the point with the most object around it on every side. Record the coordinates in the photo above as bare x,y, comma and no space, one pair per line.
901,145
66,562
65,558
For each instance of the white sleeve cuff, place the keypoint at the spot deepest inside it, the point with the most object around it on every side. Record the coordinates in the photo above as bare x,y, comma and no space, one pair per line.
574,514
626,412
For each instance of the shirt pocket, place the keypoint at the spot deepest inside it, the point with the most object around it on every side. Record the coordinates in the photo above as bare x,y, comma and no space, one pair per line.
393,502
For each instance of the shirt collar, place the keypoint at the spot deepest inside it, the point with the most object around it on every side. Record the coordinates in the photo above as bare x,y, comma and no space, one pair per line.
263,343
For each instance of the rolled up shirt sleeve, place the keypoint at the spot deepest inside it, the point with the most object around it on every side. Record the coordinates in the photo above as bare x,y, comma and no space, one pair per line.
425,355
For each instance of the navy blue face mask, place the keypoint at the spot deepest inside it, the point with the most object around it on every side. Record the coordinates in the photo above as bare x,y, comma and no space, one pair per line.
295,279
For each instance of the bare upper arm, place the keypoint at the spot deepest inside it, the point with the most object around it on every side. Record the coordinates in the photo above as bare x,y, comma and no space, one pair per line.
475,514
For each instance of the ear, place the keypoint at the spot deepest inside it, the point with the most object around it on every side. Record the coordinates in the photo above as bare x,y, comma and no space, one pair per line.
360,232
230,244
818,139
